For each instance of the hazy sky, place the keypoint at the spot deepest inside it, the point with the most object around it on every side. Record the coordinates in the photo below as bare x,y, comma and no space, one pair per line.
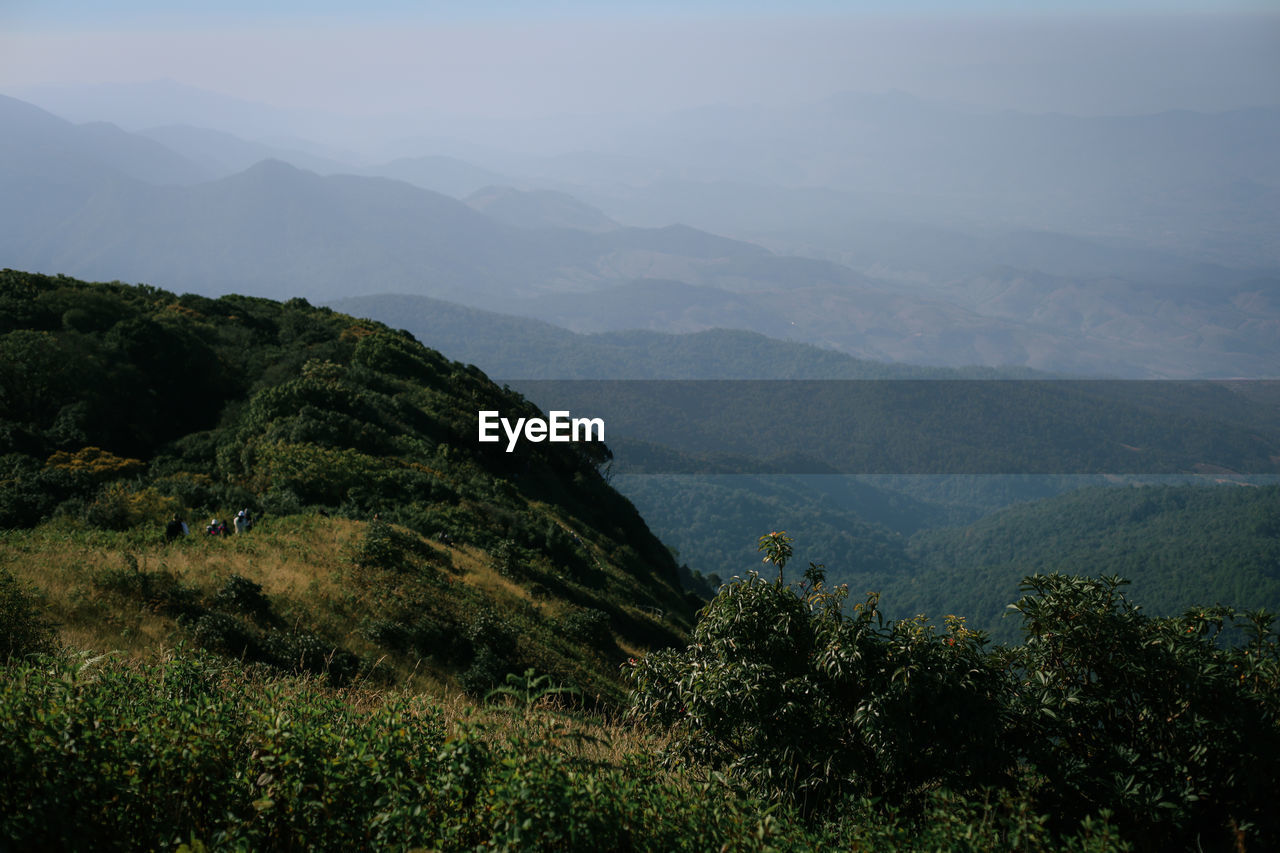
513,58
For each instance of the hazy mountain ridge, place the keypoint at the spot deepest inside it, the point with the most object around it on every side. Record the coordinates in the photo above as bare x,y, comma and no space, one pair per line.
38,144
507,346
275,230
1142,175
539,209
224,154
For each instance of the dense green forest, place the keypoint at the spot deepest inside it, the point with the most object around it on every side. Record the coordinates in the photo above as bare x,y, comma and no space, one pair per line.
935,427
1179,545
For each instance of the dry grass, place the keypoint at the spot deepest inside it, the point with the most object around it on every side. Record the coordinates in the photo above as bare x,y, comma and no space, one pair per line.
303,561
304,564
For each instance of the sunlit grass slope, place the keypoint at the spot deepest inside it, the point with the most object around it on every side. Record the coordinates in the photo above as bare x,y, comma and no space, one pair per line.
390,544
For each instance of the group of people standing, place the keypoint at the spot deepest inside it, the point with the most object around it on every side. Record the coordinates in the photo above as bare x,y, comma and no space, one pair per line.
242,523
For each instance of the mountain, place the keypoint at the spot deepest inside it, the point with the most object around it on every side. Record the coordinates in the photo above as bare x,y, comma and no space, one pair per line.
1174,180
448,175
385,531
511,347
539,209
879,235
225,154
319,237
1179,545
306,234
37,149
275,230
159,103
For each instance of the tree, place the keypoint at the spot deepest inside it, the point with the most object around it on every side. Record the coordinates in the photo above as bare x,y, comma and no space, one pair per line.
796,700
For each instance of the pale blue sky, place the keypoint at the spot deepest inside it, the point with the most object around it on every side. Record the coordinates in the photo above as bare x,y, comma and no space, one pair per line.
513,58
96,12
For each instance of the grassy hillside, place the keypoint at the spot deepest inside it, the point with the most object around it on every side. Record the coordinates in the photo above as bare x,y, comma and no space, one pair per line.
385,531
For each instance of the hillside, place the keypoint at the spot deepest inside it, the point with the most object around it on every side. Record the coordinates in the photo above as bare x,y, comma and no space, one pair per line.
1179,545
390,551
385,531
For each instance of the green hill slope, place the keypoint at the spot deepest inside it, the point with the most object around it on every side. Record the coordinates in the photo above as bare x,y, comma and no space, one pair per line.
1179,545
121,406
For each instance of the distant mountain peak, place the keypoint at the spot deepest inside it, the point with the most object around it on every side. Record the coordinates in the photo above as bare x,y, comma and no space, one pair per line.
539,209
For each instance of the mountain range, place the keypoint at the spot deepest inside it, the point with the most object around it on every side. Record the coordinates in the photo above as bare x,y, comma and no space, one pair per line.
96,201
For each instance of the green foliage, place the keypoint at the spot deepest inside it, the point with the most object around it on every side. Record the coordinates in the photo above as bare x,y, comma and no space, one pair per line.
777,549
124,406
29,491
24,627
159,590
1179,545
588,626
1150,718
190,752
1105,721
385,548
241,595
713,520
494,652
528,690
796,700
1005,820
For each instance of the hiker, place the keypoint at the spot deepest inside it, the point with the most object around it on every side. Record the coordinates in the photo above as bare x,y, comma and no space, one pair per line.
241,523
216,528
173,529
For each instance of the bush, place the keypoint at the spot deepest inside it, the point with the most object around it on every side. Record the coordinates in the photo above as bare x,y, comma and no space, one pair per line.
226,635
1151,718
304,652
588,626
797,702
1105,720
24,628
385,548
241,595
161,591
120,506
190,751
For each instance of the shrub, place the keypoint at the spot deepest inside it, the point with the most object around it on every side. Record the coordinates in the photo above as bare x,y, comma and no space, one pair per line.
24,628
385,548
798,702
241,595
305,652
226,635
1151,718
120,506
586,625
